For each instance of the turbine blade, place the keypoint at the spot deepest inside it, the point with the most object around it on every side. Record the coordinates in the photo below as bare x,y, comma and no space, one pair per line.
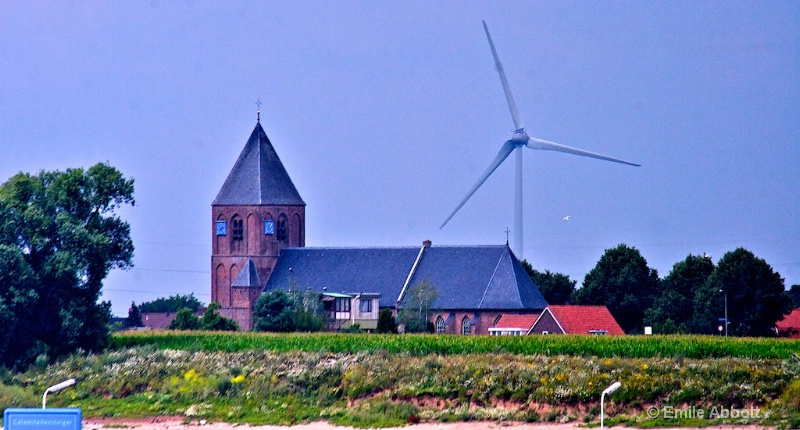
505,150
512,106
534,143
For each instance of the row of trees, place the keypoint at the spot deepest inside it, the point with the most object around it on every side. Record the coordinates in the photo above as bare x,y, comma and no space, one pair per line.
171,304
186,319
690,299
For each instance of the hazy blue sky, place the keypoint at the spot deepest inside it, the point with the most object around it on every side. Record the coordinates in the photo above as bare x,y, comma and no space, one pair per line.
385,113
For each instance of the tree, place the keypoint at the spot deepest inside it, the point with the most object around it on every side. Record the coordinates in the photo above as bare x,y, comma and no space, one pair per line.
794,293
417,307
59,239
279,311
624,283
754,293
386,322
556,288
185,319
134,316
213,321
307,311
673,309
172,304
274,312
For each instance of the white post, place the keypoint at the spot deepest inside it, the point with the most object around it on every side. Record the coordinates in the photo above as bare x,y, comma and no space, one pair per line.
58,387
726,311
611,388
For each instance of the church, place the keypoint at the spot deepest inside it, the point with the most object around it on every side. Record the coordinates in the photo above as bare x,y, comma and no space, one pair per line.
258,244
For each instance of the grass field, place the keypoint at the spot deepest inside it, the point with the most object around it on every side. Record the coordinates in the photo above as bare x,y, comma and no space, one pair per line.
421,345
379,381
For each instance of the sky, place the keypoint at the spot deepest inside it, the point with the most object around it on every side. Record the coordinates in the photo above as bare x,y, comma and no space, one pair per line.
386,113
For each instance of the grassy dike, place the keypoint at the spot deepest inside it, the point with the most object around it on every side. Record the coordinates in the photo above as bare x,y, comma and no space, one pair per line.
378,381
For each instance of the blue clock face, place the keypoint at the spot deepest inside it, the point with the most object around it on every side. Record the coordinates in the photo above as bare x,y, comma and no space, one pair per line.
269,227
222,228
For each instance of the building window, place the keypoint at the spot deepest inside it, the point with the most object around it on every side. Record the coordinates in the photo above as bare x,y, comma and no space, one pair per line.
342,304
598,332
365,306
283,232
237,229
439,324
466,327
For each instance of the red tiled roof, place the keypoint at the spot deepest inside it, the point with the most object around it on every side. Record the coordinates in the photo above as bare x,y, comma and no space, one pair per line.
516,321
582,319
790,322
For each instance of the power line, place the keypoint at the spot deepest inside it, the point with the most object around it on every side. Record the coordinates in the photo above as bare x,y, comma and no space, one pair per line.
153,292
193,245
171,270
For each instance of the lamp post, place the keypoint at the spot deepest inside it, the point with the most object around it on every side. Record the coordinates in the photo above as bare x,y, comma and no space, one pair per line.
726,311
611,388
58,387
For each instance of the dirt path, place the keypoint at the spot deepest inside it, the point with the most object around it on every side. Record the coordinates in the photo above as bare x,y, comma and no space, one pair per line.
176,423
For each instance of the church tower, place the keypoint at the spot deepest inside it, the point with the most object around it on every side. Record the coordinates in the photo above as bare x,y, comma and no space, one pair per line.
257,213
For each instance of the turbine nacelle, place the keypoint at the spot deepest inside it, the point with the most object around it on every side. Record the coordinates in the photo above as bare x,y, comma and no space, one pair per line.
520,138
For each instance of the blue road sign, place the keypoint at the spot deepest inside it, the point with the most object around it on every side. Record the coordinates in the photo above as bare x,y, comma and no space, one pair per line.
42,419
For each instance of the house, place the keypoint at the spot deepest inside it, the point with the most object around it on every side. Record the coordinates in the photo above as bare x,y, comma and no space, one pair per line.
258,244
571,319
343,311
161,320
789,326
514,325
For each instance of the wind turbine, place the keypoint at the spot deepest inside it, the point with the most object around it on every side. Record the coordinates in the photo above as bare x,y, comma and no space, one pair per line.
519,138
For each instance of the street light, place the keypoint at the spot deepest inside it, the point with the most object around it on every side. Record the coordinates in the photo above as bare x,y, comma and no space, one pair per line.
611,388
726,312
58,387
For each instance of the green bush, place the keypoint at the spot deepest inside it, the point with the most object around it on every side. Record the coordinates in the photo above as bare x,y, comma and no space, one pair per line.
17,397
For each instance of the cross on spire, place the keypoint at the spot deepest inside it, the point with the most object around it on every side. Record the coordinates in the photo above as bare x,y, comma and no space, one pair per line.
258,111
507,231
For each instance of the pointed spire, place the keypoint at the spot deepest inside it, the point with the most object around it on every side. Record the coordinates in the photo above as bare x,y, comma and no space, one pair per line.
258,177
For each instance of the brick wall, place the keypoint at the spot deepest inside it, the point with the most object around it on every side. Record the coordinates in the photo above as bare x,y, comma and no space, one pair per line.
546,323
229,256
484,321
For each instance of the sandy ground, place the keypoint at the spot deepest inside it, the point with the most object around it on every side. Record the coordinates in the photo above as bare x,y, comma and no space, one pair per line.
177,424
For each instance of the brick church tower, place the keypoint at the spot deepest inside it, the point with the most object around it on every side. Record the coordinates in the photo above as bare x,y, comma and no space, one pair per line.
257,212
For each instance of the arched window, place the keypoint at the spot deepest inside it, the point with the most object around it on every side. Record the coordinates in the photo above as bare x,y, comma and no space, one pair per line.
237,233
282,231
440,324
466,327
237,228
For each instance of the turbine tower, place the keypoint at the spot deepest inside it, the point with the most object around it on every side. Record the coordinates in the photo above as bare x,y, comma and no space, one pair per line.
518,140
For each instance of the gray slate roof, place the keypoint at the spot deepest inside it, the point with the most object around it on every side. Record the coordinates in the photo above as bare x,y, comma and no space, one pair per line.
248,276
478,277
258,177
466,277
345,270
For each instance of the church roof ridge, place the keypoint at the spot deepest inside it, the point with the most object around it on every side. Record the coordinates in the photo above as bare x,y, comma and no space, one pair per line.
258,177
393,247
